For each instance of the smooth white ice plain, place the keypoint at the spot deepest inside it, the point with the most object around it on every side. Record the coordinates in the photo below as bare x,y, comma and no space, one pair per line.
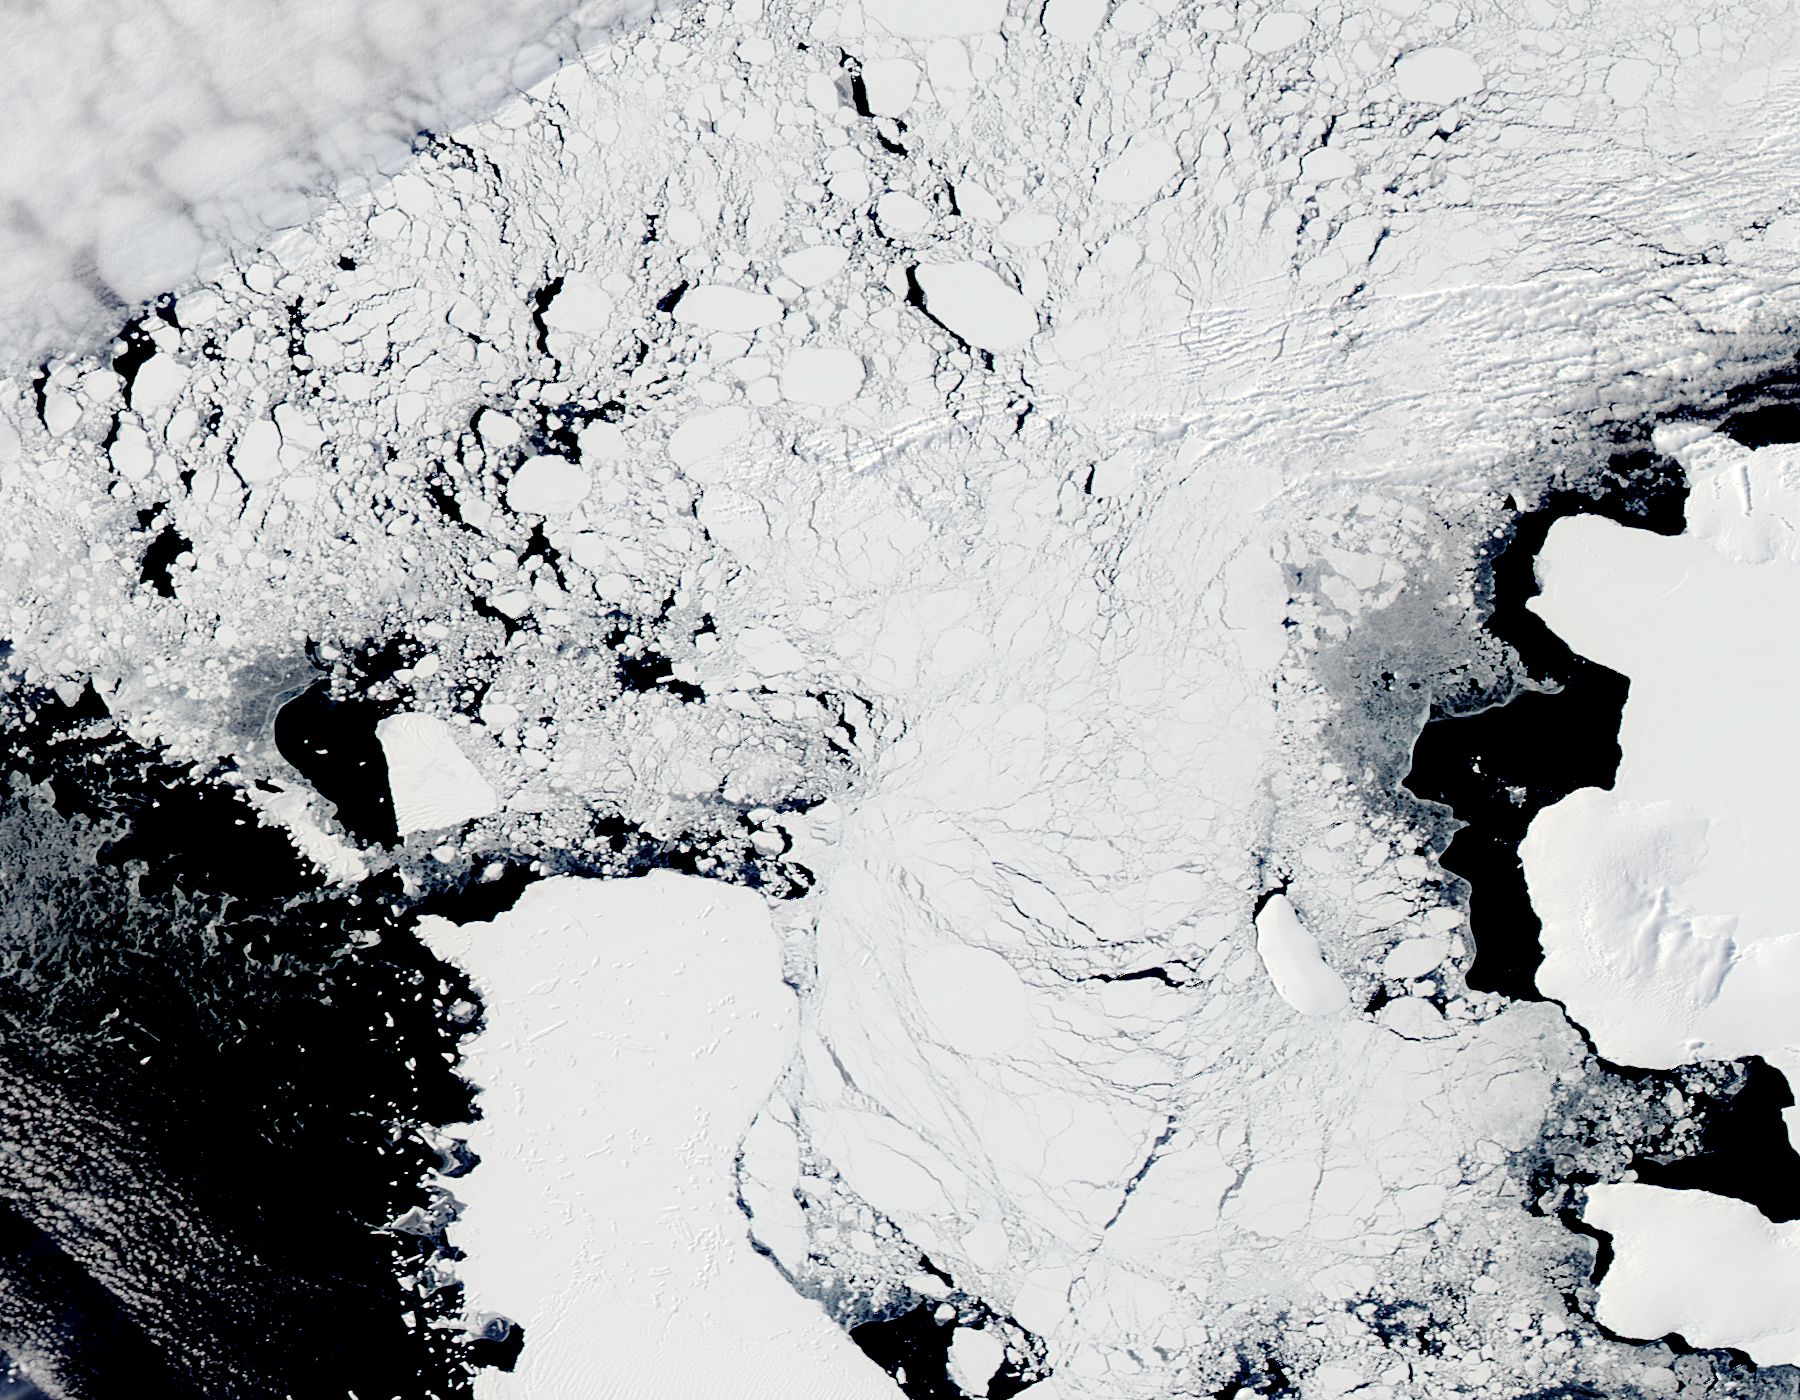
1085,709
1708,1267
1437,75
1669,929
634,1028
432,782
143,145
971,301
547,485
1290,955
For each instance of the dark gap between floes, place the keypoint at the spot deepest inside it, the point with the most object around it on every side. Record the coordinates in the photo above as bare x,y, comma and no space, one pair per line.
1744,1151
914,1348
1498,768
332,744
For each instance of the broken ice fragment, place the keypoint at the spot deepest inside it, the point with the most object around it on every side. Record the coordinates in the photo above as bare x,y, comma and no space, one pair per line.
898,212
580,304
890,85
434,785
1278,30
159,380
1147,164
1074,21
975,1355
815,266
706,435
1029,230
826,375
1437,75
257,452
1291,954
716,308
972,303
547,485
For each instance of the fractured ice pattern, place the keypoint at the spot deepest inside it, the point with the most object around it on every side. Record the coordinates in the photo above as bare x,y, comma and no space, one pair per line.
844,701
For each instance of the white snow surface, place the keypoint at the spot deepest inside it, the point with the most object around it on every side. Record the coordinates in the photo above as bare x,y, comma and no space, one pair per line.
1291,957
431,780
1437,74
547,485
1664,933
1710,1268
633,1030
1669,931
973,302
143,148
1040,654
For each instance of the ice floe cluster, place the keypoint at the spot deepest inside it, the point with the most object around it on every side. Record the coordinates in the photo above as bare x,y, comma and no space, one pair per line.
1016,476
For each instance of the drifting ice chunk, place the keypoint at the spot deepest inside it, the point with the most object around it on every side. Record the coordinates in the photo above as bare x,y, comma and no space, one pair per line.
1279,30
707,435
728,309
1073,21
891,84
1148,163
257,454
815,266
433,784
971,301
1437,75
1291,954
547,485
581,305
975,1354
826,375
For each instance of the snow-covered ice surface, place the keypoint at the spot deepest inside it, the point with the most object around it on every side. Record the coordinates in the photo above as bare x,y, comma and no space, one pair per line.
145,147
634,1029
1664,933
1663,936
1002,484
1712,1269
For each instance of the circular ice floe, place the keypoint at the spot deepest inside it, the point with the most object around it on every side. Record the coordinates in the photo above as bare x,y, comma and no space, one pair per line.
971,301
579,305
898,212
1437,74
547,485
825,375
